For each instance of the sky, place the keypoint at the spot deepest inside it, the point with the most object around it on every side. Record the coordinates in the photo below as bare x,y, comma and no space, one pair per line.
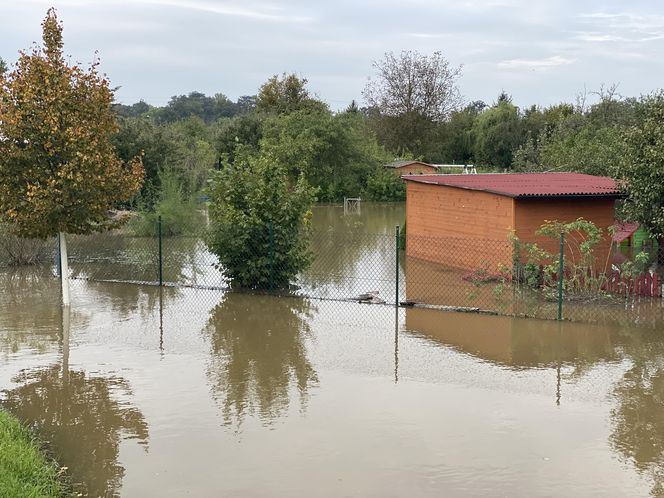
539,51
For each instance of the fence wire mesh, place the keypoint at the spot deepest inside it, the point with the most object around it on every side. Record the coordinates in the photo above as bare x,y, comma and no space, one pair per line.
456,274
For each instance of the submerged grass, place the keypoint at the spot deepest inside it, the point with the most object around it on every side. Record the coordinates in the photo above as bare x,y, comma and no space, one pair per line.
24,470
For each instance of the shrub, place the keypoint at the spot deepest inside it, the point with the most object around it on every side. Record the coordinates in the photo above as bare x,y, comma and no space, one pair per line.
384,185
19,251
259,223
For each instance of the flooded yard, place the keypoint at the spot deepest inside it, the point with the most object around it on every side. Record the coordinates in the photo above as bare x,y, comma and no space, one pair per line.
145,391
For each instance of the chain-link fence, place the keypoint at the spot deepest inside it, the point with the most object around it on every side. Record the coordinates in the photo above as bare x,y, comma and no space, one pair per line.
457,274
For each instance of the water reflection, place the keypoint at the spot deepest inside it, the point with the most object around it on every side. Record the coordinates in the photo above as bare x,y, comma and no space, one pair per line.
259,356
354,254
516,343
81,418
33,296
638,419
572,349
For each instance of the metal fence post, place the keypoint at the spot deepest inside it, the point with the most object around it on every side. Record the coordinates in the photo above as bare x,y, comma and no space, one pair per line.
271,251
161,254
561,275
396,290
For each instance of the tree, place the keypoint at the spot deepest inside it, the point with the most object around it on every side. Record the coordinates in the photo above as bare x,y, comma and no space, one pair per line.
209,109
285,94
414,83
335,153
497,133
243,131
259,222
410,94
642,171
59,172
3,67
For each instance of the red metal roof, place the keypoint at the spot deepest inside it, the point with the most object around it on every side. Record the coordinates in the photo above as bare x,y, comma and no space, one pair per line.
527,184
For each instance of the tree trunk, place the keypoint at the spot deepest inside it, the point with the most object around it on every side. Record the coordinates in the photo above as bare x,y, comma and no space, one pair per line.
64,269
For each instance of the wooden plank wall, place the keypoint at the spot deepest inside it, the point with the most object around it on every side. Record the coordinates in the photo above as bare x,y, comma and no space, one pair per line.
415,169
458,227
530,214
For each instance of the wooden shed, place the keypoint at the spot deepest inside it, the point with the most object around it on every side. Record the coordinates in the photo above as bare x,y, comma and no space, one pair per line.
410,168
465,221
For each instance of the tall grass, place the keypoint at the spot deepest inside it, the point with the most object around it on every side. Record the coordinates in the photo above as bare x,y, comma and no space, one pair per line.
24,470
179,212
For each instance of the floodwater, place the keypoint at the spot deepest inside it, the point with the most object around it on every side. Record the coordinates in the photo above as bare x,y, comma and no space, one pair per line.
143,392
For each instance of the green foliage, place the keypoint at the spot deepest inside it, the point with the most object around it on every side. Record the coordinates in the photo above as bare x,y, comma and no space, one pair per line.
59,171
574,144
286,94
384,185
584,276
177,208
197,104
259,222
642,170
24,470
142,136
335,153
497,133
243,131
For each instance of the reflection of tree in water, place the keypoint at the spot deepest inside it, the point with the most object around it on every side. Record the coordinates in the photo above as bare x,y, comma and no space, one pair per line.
638,420
128,300
258,353
29,309
120,256
80,419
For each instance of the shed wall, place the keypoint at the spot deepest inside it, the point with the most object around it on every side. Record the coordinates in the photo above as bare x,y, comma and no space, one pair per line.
530,214
458,227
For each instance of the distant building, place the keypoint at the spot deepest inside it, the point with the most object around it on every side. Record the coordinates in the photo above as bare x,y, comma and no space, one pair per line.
465,221
411,168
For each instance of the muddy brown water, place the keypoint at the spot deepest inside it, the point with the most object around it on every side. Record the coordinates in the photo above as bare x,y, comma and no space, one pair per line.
142,391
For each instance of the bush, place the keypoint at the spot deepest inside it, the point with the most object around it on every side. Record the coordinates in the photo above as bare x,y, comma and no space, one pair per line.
259,223
384,185
19,251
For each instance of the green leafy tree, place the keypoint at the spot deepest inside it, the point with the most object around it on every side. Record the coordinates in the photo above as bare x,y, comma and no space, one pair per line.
585,149
497,133
244,131
3,66
642,170
197,104
384,185
286,94
142,136
259,222
59,171
455,137
336,153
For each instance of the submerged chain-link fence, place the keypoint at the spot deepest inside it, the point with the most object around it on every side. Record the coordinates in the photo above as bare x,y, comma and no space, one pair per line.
467,275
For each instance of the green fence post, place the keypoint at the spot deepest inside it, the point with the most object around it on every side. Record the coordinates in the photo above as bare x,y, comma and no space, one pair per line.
161,254
561,275
396,290
271,236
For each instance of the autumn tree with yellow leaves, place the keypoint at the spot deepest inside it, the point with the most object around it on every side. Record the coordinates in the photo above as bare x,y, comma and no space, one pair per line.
59,172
